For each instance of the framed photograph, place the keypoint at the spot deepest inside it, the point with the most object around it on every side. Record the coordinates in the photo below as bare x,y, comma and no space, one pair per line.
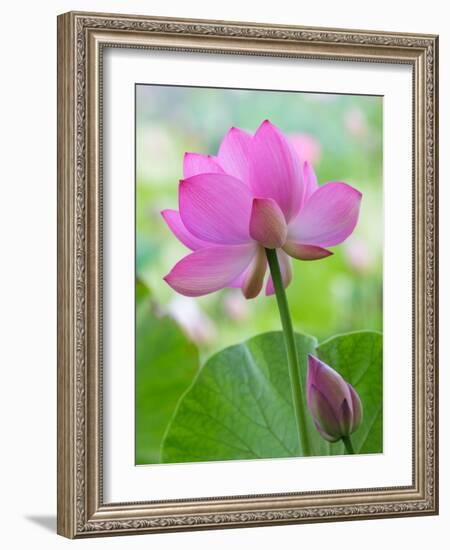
247,276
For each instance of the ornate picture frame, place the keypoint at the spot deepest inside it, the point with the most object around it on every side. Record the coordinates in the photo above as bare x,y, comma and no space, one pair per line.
82,38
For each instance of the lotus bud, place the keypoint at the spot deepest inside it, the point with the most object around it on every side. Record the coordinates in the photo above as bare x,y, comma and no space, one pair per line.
334,404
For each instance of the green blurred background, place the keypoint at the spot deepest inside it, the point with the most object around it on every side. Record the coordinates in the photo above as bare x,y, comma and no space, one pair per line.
341,135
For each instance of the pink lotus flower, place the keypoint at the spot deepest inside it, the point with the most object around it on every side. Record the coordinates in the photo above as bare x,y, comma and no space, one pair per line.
356,122
358,255
334,404
254,194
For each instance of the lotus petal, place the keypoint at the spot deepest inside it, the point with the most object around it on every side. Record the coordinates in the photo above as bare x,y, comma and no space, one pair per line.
305,251
328,217
216,208
195,163
176,225
209,269
233,153
267,223
275,170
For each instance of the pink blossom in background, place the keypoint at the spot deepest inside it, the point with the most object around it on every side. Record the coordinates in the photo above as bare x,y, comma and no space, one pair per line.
307,147
355,122
358,255
198,326
236,307
254,194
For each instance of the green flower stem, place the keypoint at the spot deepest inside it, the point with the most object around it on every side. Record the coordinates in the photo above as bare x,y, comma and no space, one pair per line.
291,351
348,444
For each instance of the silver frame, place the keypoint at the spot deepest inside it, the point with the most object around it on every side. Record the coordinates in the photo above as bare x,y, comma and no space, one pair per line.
81,40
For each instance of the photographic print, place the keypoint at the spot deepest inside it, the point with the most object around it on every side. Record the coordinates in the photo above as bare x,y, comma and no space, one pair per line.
247,274
259,273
